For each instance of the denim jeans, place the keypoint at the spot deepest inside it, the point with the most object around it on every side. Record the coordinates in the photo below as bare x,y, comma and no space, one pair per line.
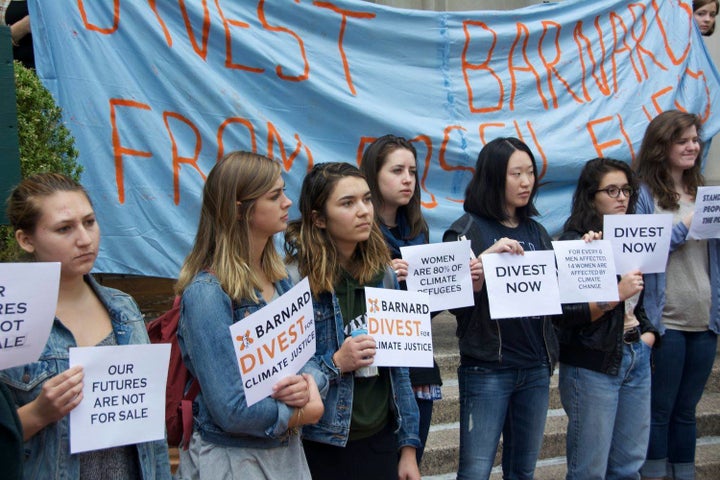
608,417
682,366
513,402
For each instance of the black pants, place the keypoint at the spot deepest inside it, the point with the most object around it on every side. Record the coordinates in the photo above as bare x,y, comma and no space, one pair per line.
374,458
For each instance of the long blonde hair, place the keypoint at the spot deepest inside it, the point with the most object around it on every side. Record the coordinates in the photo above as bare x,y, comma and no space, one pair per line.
314,250
222,243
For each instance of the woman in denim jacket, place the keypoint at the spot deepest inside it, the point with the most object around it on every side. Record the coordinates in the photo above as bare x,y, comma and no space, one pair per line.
685,310
370,426
232,271
54,221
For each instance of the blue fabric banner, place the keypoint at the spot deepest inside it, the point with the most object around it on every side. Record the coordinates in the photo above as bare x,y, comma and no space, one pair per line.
155,92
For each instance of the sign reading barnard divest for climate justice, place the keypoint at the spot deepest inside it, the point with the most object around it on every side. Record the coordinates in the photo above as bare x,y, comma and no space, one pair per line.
155,93
275,342
399,322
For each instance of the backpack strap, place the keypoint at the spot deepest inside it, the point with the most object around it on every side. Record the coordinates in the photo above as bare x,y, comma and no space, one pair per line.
187,412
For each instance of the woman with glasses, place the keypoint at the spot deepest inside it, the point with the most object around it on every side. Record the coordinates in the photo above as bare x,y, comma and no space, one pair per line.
605,346
684,301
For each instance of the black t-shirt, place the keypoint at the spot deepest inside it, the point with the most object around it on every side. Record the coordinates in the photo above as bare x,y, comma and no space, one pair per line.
522,338
505,343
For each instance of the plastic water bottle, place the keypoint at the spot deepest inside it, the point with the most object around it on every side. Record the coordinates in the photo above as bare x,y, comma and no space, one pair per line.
370,371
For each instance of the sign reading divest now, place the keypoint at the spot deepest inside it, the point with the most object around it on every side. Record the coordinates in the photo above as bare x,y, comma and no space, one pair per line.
521,285
275,342
123,396
639,241
300,82
26,311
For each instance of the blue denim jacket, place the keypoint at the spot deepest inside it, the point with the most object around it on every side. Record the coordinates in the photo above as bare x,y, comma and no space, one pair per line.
654,291
47,453
334,426
221,414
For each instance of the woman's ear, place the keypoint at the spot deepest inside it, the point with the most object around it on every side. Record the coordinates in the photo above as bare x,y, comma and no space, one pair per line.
238,206
318,220
24,240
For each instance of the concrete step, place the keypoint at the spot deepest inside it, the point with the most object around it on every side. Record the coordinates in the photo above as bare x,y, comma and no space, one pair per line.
707,461
442,450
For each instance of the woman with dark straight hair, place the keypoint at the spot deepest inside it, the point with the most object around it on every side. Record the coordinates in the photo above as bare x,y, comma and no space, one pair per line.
505,366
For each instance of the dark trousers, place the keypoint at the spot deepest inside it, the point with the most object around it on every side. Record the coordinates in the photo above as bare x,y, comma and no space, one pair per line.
375,458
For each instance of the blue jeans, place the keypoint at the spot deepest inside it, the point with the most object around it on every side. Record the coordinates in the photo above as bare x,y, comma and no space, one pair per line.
608,417
513,402
682,366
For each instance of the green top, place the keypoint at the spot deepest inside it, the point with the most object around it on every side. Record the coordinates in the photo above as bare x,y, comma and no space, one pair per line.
371,395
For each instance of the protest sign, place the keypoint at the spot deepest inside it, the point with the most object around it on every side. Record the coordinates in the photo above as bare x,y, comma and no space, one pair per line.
275,342
639,241
706,220
28,298
442,270
586,271
521,285
123,395
399,321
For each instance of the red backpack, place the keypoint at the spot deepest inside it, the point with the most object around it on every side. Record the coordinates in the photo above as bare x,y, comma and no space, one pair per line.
178,403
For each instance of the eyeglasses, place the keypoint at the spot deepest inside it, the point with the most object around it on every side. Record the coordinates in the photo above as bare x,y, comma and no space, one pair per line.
614,192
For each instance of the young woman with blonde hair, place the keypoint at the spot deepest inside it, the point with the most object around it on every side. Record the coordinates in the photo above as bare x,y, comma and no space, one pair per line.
233,271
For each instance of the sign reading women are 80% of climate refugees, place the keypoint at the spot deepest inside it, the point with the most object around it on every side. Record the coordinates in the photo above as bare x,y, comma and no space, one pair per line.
442,270
275,342
399,321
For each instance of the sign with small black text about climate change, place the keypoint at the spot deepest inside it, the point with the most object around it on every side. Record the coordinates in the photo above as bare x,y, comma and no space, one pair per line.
442,270
26,311
639,241
586,271
123,395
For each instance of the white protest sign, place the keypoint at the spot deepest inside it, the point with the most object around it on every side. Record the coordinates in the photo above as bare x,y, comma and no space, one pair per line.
123,395
399,321
28,298
706,220
275,342
586,271
639,241
521,285
442,270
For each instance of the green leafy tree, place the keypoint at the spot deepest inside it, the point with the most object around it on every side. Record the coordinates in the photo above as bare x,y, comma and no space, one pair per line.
46,145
